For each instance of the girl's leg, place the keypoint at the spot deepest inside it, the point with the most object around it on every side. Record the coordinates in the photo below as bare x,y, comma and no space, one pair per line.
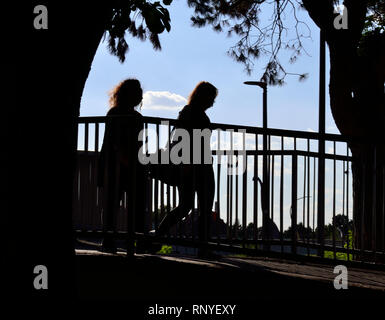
186,203
111,207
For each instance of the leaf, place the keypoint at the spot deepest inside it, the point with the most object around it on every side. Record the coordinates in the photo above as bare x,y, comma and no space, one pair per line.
303,77
155,41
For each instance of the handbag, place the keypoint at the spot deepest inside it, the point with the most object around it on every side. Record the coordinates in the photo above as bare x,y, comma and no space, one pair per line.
167,173
170,173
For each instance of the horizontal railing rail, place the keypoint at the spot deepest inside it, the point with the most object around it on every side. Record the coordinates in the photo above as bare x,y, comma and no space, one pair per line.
222,126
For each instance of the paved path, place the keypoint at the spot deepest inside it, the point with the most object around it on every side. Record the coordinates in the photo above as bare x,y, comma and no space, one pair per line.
271,278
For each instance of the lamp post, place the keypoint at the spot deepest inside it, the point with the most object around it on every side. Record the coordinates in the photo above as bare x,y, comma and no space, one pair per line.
265,166
262,85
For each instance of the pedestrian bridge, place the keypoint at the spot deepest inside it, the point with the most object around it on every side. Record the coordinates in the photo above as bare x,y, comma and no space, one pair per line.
278,194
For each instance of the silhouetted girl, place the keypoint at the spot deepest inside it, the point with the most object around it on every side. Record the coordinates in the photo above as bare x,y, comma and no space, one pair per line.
197,178
120,170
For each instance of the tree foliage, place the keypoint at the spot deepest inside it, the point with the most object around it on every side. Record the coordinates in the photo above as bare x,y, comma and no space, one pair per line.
373,31
375,19
141,19
257,37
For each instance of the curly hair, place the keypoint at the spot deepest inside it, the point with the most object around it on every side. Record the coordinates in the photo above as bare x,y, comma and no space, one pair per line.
126,93
204,90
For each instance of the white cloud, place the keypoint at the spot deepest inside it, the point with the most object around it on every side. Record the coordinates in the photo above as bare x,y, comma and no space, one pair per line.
163,100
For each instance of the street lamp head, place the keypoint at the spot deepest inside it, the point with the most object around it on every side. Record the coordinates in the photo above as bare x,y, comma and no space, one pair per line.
261,84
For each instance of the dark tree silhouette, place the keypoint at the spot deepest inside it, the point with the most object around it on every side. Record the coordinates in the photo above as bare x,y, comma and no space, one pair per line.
47,71
357,74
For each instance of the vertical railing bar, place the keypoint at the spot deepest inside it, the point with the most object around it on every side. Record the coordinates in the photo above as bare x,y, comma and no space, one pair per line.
343,195
178,231
334,202
156,183
281,196
255,190
314,195
94,176
149,203
96,171
148,185
265,197
146,139
168,190
244,191
86,129
179,227
228,197
193,229
162,211
272,187
97,137
268,195
217,207
343,187
304,192
294,204
231,184
308,198
174,197
236,223
87,196
156,203
90,176
347,202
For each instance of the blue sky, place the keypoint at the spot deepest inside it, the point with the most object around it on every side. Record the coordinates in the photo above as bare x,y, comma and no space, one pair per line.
190,55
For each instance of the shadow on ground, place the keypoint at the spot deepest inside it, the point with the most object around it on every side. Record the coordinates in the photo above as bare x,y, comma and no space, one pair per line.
161,279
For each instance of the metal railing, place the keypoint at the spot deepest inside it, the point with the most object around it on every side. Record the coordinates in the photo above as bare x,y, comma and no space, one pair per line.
266,199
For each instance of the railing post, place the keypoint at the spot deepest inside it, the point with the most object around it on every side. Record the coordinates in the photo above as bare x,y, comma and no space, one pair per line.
244,193
265,187
266,178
